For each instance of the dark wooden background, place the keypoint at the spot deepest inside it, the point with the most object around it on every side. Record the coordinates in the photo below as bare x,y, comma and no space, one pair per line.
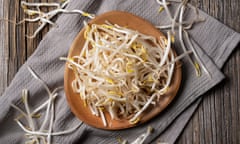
217,119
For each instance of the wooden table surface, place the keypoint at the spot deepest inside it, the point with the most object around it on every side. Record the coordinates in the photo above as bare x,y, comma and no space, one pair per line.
217,119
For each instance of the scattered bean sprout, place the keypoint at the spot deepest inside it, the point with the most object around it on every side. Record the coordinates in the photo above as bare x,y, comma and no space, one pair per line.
34,133
183,26
121,71
143,137
35,14
140,139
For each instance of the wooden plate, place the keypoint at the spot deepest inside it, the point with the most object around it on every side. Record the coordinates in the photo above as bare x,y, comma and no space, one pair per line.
74,100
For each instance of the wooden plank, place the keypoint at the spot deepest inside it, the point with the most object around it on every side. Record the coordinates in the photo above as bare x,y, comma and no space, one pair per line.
4,51
12,67
21,38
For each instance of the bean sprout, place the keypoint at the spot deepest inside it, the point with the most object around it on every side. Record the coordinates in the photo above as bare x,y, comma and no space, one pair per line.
45,17
35,14
143,137
135,70
140,139
178,22
34,133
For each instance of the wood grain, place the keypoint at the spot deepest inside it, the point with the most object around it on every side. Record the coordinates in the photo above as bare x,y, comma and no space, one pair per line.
217,120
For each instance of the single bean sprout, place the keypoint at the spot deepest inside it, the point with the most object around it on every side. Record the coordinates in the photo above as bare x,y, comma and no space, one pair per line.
143,137
121,71
140,139
36,134
181,37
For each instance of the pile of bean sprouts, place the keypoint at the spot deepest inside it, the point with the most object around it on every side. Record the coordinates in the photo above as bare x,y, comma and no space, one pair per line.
121,71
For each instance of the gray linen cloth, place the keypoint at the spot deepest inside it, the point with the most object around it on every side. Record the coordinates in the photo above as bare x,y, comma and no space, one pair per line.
213,40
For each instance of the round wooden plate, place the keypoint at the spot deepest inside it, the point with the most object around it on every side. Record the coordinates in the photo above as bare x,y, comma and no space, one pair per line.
74,100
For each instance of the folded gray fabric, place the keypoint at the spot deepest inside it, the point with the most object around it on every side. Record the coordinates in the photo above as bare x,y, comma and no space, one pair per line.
214,43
